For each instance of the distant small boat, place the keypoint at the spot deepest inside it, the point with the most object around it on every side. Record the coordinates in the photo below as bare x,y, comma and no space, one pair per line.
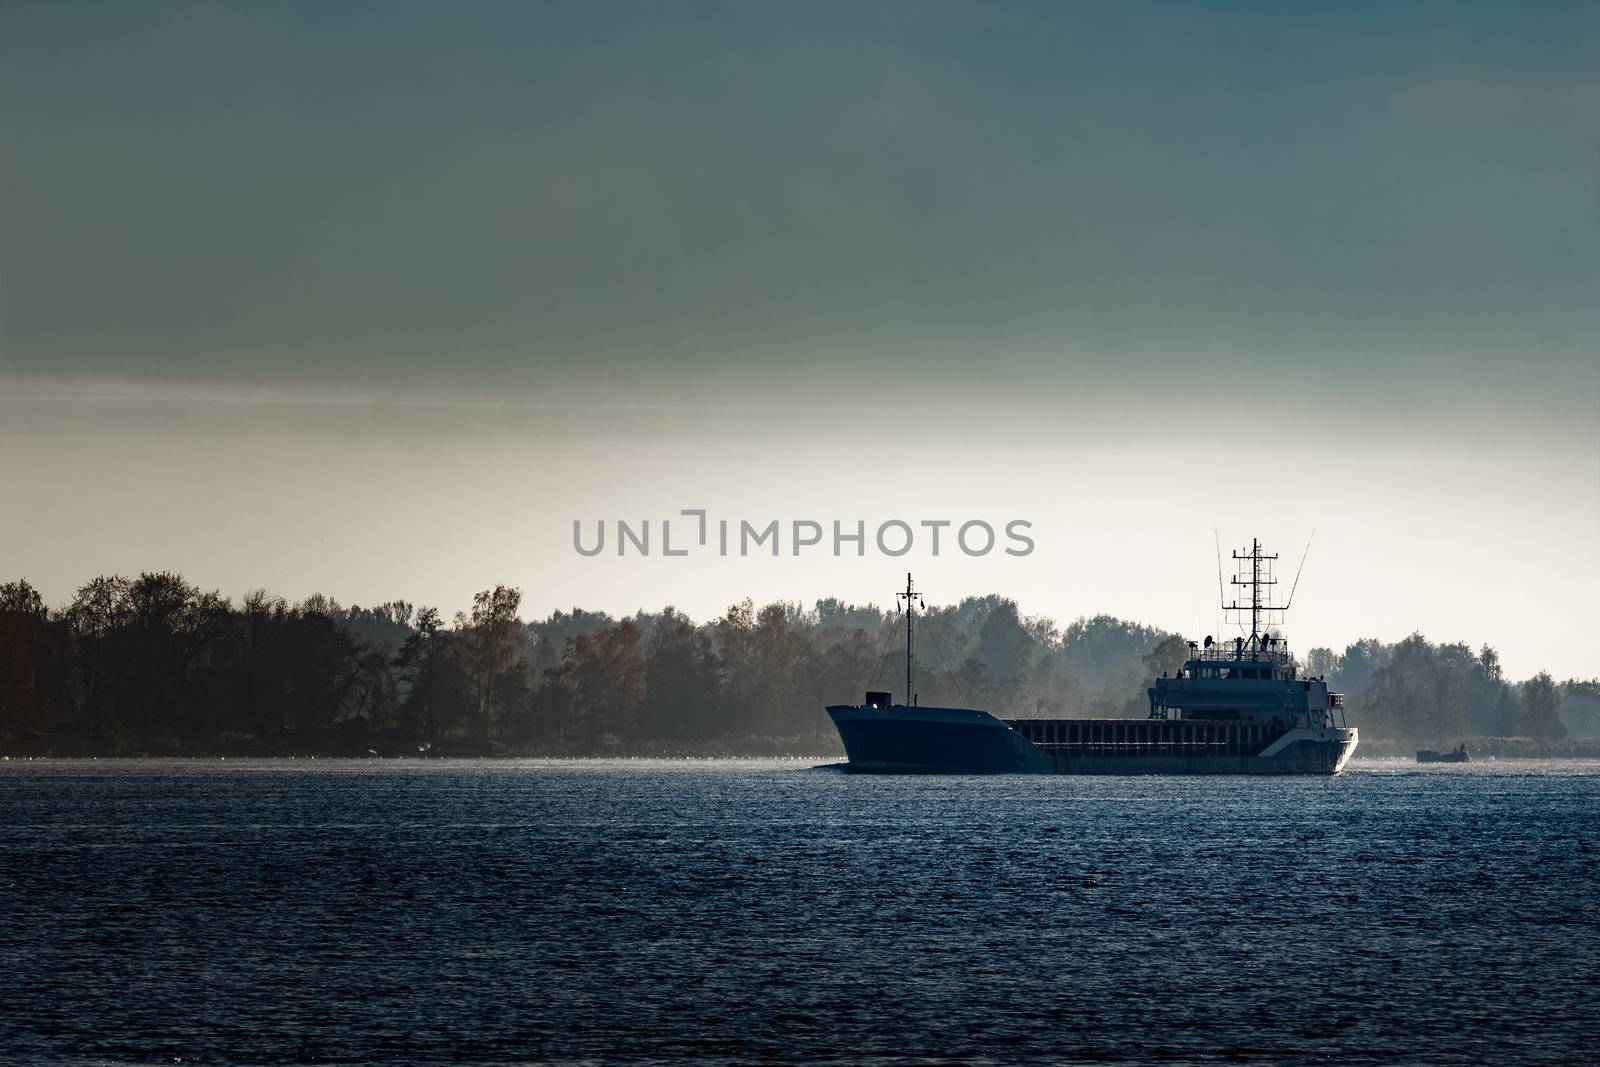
1458,755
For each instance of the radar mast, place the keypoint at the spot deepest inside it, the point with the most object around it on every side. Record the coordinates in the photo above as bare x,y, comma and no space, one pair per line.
1253,571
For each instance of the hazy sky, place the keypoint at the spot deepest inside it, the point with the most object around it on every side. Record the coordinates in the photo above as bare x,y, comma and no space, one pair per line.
377,298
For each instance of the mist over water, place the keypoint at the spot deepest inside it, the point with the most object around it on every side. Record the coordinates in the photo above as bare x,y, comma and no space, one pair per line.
759,911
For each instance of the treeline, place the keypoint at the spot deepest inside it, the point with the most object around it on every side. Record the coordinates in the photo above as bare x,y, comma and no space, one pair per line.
154,665
1415,691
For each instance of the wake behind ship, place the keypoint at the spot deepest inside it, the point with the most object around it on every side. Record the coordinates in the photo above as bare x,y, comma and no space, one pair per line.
1234,708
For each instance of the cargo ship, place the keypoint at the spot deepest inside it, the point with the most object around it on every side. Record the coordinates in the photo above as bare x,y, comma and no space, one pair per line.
1235,707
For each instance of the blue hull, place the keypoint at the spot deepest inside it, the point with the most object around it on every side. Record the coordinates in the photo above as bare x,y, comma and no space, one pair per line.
923,740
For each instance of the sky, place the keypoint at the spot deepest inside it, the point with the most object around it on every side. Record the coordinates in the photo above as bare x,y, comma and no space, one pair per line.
378,299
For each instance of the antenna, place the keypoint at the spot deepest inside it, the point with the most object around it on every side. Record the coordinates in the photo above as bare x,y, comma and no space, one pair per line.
913,601
1290,602
1216,539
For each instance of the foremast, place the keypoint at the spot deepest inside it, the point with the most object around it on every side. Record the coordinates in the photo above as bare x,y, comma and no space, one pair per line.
911,600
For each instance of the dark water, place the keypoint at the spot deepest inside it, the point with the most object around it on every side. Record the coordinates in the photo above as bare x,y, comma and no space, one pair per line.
593,912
